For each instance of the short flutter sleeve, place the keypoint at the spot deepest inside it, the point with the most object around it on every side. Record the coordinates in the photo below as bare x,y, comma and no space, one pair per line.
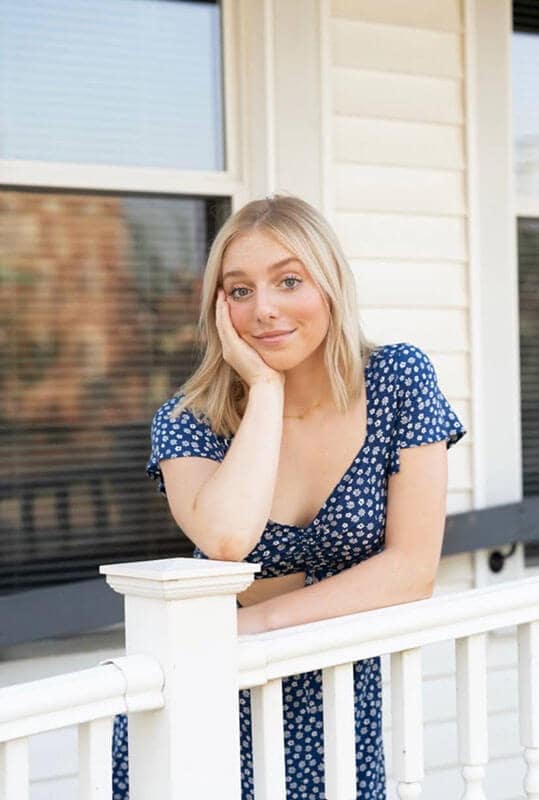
175,437
423,415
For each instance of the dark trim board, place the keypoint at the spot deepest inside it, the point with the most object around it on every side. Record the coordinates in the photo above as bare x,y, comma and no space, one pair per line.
54,611
492,527
73,608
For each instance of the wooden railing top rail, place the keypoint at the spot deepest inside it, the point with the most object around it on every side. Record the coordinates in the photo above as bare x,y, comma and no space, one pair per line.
131,683
304,648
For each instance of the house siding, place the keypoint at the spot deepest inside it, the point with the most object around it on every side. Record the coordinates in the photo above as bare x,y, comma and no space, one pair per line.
399,176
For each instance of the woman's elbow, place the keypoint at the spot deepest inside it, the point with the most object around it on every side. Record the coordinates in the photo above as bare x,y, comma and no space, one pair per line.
227,549
424,587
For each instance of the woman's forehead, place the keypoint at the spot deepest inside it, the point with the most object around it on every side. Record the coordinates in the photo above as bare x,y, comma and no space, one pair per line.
255,252
257,243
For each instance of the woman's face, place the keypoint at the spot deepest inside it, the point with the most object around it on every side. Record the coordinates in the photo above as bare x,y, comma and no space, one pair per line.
265,295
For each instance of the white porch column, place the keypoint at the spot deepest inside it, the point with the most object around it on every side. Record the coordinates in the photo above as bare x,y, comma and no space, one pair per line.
182,611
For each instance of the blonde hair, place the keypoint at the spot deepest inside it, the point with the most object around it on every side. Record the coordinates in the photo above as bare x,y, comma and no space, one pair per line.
215,390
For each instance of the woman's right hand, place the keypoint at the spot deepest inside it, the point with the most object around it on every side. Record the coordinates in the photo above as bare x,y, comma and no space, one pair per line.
243,358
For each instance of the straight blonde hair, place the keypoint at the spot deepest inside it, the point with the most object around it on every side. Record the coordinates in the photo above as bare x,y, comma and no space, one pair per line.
215,390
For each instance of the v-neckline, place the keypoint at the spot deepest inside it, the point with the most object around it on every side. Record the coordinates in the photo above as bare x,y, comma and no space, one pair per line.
274,524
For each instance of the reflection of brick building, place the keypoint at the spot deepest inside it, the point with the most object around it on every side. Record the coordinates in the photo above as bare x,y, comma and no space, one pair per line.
84,330
99,300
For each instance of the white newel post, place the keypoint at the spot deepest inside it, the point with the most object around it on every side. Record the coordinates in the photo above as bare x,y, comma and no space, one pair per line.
182,611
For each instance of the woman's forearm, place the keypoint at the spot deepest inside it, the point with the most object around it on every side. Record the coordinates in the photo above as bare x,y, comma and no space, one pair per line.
235,503
382,580
266,588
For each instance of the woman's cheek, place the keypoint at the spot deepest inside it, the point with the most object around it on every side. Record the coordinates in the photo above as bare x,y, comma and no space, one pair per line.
237,317
310,304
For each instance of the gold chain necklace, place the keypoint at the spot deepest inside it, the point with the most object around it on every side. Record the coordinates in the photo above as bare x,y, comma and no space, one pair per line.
301,416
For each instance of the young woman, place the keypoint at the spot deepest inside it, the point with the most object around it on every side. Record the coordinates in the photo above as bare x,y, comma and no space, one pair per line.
300,445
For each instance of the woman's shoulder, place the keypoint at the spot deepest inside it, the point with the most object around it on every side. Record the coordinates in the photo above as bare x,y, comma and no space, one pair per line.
169,405
399,368
169,418
398,357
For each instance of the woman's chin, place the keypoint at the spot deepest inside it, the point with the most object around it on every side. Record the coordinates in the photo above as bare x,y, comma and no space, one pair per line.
280,361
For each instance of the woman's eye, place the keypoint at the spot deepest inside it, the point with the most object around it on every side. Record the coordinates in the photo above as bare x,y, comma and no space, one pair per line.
233,294
291,278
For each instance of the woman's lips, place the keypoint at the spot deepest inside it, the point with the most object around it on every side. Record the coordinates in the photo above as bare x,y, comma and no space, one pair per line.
275,339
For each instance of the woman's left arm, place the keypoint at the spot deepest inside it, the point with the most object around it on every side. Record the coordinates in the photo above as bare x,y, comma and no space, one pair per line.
404,571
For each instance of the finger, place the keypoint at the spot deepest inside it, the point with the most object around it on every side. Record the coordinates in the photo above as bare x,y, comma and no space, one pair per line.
225,312
219,305
223,321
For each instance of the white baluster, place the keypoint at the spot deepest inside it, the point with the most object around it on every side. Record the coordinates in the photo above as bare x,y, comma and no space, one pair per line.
14,770
472,714
407,722
95,764
339,732
268,741
528,674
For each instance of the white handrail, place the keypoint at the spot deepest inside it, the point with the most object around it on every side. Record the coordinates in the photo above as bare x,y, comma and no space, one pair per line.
303,648
133,683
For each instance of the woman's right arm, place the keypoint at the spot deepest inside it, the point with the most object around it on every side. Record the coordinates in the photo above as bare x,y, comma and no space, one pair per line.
223,507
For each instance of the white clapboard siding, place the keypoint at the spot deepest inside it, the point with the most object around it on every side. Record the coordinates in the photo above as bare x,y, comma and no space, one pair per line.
416,237
66,788
425,327
392,95
453,375
398,169
457,502
391,142
455,574
503,651
54,753
502,776
392,48
47,658
401,189
443,15
411,284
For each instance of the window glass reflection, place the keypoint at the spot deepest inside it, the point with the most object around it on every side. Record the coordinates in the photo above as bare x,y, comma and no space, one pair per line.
117,82
99,302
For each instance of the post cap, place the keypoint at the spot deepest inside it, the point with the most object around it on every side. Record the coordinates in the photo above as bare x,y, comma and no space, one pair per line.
175,578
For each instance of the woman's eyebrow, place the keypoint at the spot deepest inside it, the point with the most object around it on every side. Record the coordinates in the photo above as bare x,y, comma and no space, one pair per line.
238,272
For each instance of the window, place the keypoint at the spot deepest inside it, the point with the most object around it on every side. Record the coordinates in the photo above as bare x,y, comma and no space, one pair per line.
99,297
120,164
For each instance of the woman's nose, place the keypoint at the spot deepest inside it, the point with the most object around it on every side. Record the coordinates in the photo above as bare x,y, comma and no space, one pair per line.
266,305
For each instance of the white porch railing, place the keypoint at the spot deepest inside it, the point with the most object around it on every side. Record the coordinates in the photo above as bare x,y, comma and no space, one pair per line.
185,663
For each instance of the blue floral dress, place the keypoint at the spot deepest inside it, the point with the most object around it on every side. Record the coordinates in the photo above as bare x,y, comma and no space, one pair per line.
405,408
